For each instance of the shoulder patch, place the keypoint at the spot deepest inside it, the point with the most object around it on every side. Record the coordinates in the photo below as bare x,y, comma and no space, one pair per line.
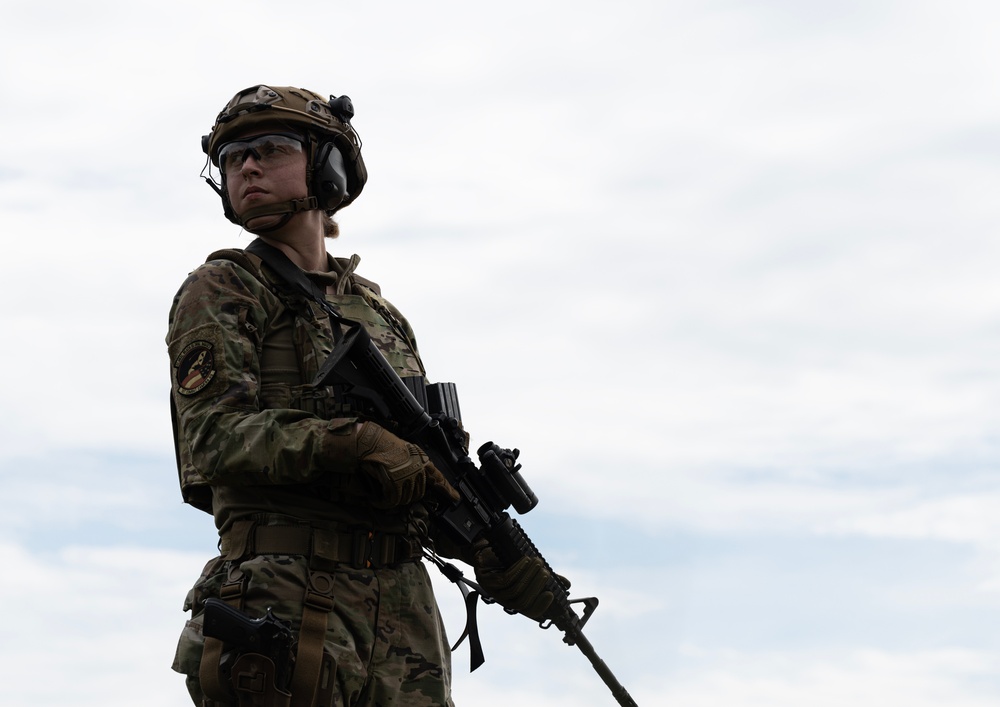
194,367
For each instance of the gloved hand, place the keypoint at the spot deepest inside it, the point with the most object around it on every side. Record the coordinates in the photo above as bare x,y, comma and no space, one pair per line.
521,587
401,472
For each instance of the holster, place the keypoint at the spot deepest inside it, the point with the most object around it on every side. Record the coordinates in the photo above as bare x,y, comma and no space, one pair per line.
313,682
252,677
210,673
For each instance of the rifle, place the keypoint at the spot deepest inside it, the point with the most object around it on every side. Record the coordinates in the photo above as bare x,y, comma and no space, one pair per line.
360,371
262,664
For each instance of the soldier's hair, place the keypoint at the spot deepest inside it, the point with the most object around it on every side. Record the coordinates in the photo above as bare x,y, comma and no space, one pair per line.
332,228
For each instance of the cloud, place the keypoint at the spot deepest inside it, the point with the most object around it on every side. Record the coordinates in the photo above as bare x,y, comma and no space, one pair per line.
958,518
861,677
109,616
725,274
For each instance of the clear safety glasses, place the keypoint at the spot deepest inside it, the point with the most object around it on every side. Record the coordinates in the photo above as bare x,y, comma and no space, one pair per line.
273,150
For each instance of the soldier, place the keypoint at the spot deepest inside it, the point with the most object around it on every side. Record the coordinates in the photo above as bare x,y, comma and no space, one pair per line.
322,513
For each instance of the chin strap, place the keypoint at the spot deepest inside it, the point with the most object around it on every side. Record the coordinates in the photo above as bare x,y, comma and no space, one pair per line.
288,209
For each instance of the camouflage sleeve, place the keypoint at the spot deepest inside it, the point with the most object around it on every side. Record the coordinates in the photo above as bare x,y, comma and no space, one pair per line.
223,434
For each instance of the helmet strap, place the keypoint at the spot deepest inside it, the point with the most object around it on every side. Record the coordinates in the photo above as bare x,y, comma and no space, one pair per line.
287,209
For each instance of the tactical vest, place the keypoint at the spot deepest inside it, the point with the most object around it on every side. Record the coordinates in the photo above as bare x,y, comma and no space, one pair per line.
292,346
310,338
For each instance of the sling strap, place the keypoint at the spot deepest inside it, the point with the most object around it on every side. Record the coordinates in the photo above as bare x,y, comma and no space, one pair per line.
294,276
316,606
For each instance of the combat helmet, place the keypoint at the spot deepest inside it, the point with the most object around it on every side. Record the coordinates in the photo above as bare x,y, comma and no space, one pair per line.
335,172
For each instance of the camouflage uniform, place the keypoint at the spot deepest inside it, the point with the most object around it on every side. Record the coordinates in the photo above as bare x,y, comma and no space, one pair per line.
254,449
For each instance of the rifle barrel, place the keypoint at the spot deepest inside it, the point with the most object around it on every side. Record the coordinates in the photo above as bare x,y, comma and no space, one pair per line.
618,690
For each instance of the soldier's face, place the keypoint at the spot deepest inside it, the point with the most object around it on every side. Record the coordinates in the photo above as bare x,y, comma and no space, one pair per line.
263,180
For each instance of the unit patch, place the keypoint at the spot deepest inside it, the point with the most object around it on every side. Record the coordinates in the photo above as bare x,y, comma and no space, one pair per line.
194,367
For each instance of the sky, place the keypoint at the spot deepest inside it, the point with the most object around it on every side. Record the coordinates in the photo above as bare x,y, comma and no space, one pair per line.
723,271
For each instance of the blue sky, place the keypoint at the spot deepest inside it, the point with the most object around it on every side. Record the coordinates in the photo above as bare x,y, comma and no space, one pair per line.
724,272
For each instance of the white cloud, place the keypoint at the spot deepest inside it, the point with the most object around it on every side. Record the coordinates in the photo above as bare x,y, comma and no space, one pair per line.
722,271
861,677
108,617
959,518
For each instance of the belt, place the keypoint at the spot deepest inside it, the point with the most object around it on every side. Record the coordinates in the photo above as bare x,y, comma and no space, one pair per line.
358,547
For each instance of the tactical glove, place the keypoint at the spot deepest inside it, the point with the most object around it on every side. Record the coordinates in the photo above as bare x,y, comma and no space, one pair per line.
400,472
521,587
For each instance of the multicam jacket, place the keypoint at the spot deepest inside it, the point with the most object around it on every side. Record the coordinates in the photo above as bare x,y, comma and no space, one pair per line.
252,434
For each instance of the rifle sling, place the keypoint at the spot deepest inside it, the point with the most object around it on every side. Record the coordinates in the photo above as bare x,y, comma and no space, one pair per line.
294,276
